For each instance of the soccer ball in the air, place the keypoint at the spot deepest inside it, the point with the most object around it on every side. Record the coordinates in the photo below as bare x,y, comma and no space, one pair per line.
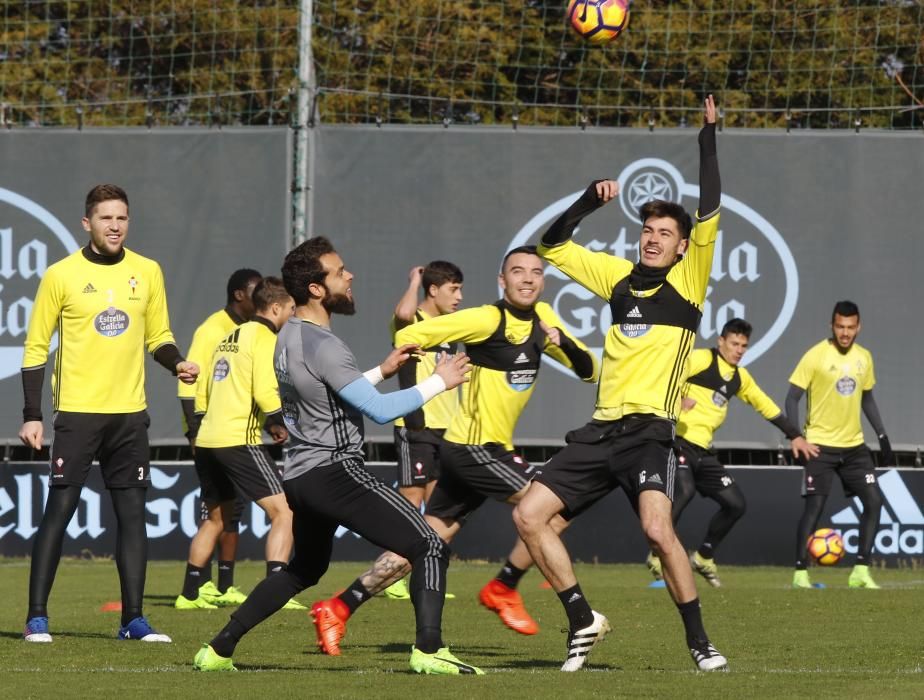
598,21
826,546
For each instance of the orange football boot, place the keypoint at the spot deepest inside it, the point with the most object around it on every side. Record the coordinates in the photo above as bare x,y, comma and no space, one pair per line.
508,604
330,618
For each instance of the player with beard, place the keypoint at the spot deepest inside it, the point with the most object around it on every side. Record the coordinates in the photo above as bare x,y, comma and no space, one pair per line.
837,377
324,398
505,341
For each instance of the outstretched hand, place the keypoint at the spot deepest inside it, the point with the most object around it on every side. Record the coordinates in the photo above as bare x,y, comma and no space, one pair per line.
397,357
453,369
709,113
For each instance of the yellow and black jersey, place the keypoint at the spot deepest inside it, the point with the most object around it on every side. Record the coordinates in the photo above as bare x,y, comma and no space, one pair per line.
239,389
653,329
834,383
209,333
712,383
505,346
105,316
437,413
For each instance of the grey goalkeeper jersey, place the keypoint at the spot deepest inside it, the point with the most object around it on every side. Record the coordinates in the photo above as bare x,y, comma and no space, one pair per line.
312,364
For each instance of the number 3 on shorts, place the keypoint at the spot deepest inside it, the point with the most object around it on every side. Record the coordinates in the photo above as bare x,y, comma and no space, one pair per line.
140,473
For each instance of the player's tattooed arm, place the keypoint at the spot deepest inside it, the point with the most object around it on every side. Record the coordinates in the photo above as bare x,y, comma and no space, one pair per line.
386,570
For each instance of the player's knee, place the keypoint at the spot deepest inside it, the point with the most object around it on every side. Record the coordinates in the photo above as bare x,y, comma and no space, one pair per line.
660,534
872,500
528,521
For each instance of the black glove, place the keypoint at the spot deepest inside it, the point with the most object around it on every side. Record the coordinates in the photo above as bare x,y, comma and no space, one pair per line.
886,456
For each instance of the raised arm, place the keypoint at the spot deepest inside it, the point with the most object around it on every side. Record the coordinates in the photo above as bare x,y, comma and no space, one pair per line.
598,193
407,304
710,184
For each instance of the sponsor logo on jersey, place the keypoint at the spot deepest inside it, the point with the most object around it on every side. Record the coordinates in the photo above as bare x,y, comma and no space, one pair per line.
89,289
521,358
718,398
634,330
752,264
846,386
901,523
111,322
222,370
30,237
521,379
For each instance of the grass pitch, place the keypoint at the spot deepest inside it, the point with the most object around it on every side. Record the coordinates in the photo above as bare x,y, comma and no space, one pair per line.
780,642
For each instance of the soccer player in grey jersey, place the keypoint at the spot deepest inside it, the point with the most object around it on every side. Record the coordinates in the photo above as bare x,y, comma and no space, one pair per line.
325,397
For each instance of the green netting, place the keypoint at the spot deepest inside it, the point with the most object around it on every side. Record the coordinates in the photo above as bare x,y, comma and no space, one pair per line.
812,63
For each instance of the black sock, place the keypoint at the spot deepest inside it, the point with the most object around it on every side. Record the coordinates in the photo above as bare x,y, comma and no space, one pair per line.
861,560
273,566
428,609
692,618
706,551
225,575
195,577
510,575
226,640
576,607
801,565
355,595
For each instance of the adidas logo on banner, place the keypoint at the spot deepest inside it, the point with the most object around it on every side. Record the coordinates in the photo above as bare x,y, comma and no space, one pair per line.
900,514
89,289
521,358
635,313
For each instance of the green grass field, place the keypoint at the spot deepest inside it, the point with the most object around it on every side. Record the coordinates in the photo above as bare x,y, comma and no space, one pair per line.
834,642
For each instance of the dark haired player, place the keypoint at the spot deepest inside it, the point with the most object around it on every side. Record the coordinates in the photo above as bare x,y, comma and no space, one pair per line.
656,306
505,342
107,305
238,309
324,398
238,396
715,378
837,377
417,435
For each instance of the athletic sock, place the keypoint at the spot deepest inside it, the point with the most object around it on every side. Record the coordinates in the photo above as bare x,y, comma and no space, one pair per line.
861,560
195,579
226,640
692,618
355,595
225,575
37,611
274,566
706,551
576,607
510,575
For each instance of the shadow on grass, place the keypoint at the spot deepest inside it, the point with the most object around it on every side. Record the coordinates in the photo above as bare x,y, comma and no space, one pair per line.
65,633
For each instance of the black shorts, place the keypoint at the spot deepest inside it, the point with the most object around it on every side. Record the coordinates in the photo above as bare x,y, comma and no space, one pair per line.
854,466
344,493
709,475
246,469
118,440
473,473
418,455
635,453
